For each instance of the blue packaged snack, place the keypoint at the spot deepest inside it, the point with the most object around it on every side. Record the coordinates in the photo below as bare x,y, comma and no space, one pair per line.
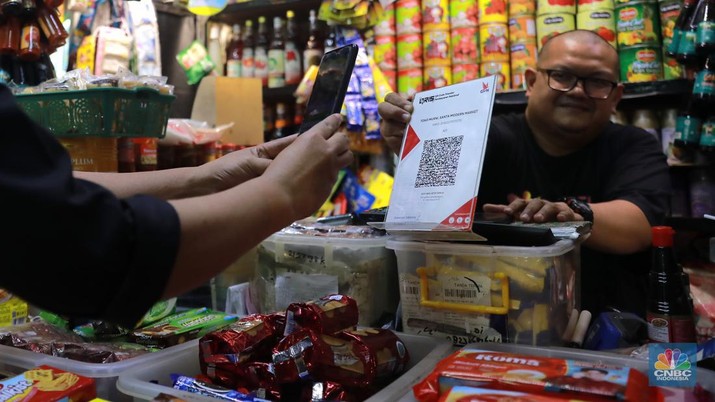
189,384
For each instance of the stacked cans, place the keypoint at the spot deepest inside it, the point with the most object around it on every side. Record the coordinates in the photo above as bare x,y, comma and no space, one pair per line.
638,37
598,16
436,44
668,11
408,26
554,17
384,51
464,28
494,41
522,35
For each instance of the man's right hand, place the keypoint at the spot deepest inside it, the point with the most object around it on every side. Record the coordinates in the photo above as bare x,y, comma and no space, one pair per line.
396,112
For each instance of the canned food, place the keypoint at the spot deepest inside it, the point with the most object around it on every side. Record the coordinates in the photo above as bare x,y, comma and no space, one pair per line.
590,5
391,77
409,51
386,24
492,11
409,82
465,72
637,24
465,49
668,12
500,69
522,29
672,70
556,6
435,15
408,17
550,25
523,56
384,52
437,77
436,51
493,42
522,7
463,14
641,63
600,22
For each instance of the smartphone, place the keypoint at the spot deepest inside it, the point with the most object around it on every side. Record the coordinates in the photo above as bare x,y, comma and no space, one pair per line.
330,85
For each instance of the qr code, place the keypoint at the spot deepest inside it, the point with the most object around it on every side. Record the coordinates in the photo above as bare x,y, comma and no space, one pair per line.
438,165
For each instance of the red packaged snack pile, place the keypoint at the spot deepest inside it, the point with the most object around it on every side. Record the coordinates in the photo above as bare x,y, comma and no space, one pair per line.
47,384
556,378
327,315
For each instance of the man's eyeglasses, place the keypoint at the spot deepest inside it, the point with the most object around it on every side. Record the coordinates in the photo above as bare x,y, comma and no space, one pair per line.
563,81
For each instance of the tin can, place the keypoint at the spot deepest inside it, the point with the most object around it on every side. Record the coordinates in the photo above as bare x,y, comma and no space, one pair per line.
408,17
500,69
409,82
465,46
672,70
668,12
550,25
435,15
555,7
386,24
522,29
437,77
436,48
494,42
641,63
523,56
391,77
591,5
463,14
601,22
464,72
384,52
409,51
492,11
637,23
522,7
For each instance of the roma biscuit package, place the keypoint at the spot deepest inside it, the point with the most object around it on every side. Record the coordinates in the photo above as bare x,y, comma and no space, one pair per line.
327,315
47,384
470,394
558,378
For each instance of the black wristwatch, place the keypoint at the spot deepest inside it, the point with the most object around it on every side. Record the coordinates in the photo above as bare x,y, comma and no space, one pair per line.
579,207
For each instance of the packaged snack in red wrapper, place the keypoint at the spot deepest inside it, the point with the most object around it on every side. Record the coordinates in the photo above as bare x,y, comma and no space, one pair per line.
222,353
567,379
300,356
261,378
325,391
327,315
470,394
388,355
47,384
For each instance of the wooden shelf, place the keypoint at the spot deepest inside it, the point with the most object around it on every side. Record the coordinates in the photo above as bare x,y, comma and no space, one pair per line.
255,8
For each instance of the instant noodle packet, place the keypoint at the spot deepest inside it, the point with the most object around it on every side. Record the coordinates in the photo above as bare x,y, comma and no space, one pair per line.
558,378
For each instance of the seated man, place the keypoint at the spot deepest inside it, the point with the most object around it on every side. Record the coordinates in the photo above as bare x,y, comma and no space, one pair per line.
563,160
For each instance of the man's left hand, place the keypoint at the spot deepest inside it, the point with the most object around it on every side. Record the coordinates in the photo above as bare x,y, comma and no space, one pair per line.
535,210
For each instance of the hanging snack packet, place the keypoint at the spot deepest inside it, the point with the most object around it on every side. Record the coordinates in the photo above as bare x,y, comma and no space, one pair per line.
196,62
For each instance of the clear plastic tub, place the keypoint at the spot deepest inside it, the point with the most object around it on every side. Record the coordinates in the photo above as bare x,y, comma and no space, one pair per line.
424,351
105,374
302,267
479,293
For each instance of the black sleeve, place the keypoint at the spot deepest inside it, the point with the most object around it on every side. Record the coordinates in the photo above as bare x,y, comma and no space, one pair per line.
643,176
71,246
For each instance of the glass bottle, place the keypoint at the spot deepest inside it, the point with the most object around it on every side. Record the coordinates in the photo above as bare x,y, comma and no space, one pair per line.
248,60
11,7
281,124
669,315
704,85
685,14
269,120
705,34
30,41
667,131
331,41
646,119
51,26
707,136
686,54
261,52
293,66
29,7
687,128
314,46
277,56
214,49
10,32
234,52
298,116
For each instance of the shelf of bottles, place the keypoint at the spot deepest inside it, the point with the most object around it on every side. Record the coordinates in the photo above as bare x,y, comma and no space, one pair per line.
255,8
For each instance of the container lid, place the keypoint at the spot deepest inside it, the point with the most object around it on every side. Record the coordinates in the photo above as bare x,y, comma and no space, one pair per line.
559,248
308,232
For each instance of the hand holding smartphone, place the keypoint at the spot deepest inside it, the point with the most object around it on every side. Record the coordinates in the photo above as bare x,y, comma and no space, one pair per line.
330,85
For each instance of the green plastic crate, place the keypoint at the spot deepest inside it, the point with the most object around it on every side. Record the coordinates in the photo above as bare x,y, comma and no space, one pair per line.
105,112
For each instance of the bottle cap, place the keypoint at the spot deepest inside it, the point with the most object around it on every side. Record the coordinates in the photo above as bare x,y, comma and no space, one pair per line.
290,14
662,236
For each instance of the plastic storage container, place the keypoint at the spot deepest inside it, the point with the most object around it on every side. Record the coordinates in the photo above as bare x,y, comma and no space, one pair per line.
424,351
477,293
105,375
295,266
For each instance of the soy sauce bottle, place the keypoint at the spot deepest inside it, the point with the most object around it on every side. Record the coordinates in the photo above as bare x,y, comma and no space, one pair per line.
670,313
